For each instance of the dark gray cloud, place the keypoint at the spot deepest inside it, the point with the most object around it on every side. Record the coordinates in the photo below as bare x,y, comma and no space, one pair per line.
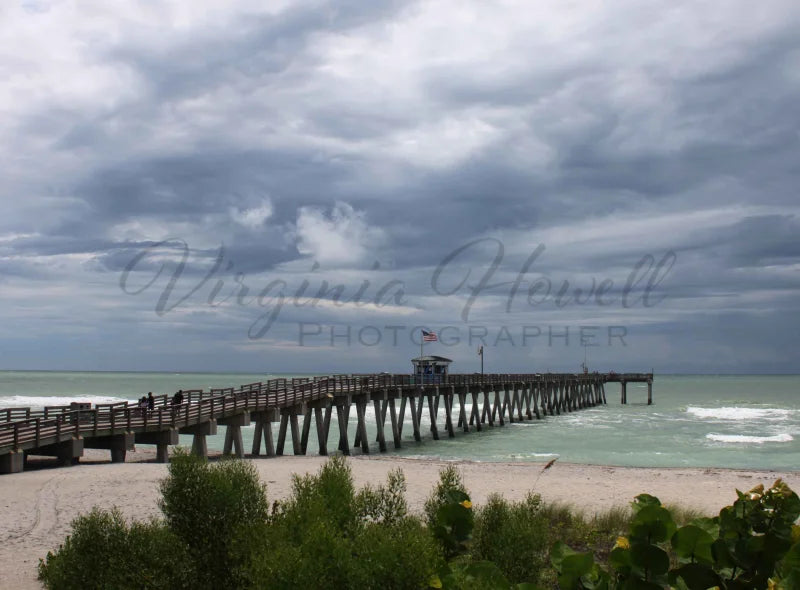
312,142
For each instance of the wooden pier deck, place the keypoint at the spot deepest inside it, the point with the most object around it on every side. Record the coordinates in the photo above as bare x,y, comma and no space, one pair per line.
64,431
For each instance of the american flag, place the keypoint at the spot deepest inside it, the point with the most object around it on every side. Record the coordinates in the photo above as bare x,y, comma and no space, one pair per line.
429,336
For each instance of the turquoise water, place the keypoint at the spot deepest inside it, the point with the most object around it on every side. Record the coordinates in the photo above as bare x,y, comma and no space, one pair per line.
699,421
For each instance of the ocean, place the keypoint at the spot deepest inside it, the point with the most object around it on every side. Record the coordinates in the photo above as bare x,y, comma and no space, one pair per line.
741,421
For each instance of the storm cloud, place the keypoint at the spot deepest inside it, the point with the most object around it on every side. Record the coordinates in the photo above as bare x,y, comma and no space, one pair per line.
179,176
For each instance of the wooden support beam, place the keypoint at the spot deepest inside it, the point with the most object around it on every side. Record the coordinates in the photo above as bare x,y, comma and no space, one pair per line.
498,406
233,441
322,427
306,431
432,411
420,407
462,411
527,392
448,413
199,446
326,426
282,434
361,426
257,433
295,426
342,412
507,405
475,412
415,417
395,428
487,414
402,417
381,416
269,442
380,422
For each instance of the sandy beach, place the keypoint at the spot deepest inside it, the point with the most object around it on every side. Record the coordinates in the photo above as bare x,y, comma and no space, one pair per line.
37,506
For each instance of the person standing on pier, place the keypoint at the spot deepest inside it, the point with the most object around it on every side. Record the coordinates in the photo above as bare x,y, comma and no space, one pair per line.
151,401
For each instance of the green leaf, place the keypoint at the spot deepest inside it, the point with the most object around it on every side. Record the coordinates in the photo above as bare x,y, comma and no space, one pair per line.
650,558
791,561
709,525
790,582
653,523
573,568
698,576
722,551
643,500
557,554
578,564
620,560
487,575
639,584
456,496
692,542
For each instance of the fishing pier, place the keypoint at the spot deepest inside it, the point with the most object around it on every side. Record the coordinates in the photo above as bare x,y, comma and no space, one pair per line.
451,402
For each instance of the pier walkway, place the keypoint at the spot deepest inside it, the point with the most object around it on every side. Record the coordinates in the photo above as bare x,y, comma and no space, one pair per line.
454,402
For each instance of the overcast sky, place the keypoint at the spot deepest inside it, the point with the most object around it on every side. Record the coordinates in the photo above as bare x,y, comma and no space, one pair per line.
206,186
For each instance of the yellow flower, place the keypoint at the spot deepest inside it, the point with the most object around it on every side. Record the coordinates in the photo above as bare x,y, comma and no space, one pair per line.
466,504
435,582
623,543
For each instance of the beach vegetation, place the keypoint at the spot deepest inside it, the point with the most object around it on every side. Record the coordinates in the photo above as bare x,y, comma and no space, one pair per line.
512,535
328,535
103,552
450,481
207,506
751,544
219,531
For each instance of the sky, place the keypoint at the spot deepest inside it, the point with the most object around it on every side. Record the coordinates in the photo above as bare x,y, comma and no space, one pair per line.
287,187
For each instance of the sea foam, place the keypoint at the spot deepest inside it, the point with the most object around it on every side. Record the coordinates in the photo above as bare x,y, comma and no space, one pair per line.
743,438
739,413
26,401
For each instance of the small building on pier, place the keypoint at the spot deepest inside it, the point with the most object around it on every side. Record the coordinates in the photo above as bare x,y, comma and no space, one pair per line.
431,369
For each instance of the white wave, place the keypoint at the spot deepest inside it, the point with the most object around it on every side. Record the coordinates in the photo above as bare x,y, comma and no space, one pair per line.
527,456
739,413
743,438
26,401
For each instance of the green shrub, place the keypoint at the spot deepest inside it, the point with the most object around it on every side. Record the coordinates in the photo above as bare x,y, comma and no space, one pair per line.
384,504
403,556
328,535
450,480
104,553
752,544
513,535
328,497
210,507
